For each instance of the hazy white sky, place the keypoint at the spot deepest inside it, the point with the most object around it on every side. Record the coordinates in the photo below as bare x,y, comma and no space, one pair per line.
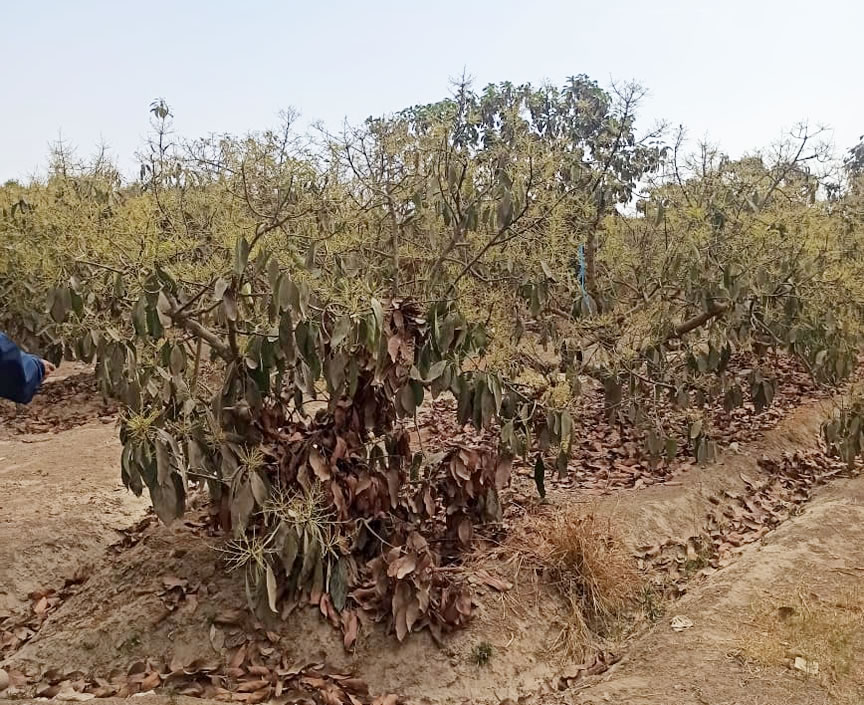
738,72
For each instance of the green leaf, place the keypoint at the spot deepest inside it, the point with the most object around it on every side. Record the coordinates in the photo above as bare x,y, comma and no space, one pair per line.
242,504
446,332
252,356
339,583
260,487
505,210
335,368
178,359
453,175
219,289
168,499
154,323
407,400
495,387
416,463
163,309
658,217
340,330
290,548
251,597
229,305
317,586
273,272
289,296
507,435
241,256
271,588
260,262
310,256
286,337
139,316
566,425
540,476
487,403
379,313
164,464
60,304
311,554
696,429
671,449
436,370
418,393
129,472
77,303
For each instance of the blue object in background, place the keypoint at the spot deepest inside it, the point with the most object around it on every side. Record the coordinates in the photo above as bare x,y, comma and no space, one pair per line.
20,373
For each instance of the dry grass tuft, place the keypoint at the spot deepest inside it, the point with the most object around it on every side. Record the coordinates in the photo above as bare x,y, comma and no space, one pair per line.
592,568
828,631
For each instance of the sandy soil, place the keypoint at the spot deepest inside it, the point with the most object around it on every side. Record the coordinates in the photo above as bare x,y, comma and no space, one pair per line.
62,505
719,660
61,501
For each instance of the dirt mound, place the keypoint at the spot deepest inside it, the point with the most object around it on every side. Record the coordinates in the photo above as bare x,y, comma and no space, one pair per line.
167,599
802,581
159,608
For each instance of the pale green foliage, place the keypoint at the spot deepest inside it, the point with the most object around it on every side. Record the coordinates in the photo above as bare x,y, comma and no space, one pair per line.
434,251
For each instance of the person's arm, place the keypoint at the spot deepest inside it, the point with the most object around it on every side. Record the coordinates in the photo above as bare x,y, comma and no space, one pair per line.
20,373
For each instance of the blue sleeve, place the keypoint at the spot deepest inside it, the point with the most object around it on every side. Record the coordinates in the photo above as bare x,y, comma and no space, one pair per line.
20,373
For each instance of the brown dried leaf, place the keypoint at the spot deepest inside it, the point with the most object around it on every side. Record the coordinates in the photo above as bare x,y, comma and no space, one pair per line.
393,486
412,613
402,597
402,566
251,686
272,589
350,625
151,681
465,531
393,345
238,657
502,472
494,582
259,696
463,603
217,638
137,667
48,690
319,466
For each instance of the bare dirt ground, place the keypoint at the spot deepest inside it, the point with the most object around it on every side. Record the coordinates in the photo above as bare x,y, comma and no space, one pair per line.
797,593
61,500
787,589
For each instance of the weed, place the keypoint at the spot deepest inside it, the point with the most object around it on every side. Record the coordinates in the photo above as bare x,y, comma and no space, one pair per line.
132,642
651,604
592,565
593,570
827,632
481,653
